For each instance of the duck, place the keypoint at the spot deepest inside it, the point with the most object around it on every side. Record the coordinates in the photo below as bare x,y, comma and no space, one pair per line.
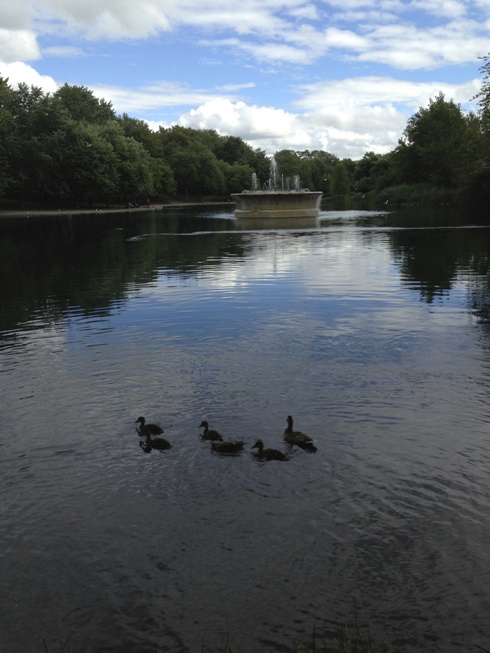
298,438
156,443
210,434
268,454
145,428
230,446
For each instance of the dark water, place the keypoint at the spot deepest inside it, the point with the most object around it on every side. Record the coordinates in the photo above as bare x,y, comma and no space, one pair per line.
371,329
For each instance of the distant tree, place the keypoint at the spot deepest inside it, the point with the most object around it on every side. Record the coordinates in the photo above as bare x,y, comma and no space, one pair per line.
140,131
132,163
194,165
237,176
8,136
372,172
483,96
81,104
432,148
319,165
85,161
340,182
289,164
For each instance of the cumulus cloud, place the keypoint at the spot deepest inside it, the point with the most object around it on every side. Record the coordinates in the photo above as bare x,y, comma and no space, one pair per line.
343,134
372,46
373,90
18,44
18,72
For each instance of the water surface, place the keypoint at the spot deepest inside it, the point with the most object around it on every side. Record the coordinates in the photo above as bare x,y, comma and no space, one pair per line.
370,328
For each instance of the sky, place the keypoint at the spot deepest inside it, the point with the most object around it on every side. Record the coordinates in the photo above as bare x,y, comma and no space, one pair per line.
342,76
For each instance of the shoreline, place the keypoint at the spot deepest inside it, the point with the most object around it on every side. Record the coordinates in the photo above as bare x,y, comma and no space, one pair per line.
35,213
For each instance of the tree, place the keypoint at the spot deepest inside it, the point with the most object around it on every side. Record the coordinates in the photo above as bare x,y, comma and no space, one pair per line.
483,96
194,165
86,161
8,136
432,149
340,183
372,172
237,176
132,164
81,104
140,131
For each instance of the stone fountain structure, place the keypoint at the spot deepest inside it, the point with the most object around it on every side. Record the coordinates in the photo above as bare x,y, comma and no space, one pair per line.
276,199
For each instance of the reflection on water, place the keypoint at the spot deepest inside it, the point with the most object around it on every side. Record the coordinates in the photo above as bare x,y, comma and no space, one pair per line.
371,328
275,224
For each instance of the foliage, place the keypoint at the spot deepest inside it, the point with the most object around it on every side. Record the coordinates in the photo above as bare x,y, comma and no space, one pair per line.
340,184
483,96
417,194
433,135
70,148
81,104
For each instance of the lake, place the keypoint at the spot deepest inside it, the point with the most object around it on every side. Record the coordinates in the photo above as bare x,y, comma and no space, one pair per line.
370,328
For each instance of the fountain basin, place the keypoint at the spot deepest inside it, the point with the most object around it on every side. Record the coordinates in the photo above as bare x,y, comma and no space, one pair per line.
277,204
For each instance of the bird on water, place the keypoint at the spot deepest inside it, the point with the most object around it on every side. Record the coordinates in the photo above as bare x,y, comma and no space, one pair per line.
230,446
268,454
145,428
297,438
156,443
209,434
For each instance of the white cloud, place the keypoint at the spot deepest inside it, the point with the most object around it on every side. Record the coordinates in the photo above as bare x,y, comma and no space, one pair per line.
112,19
347,117
155,96
63,51
15,15
360,92
344,134
18,44
365,109
18,72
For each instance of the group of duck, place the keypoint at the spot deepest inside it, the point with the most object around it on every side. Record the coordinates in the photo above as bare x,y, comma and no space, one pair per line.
219,445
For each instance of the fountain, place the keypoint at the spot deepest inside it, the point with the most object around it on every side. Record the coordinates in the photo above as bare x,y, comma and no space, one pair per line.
277,202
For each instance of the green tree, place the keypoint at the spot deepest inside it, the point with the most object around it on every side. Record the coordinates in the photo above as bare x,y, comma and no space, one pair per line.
85,162
140,131
195,167
340,181
81,104
237,176
133,164
320,165
483,96
289,164
373,172
433,149
8,136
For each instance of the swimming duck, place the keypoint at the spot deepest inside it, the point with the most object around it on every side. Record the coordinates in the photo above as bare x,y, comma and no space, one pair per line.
297,437
231,446
145,428
209,434
156,443
268,454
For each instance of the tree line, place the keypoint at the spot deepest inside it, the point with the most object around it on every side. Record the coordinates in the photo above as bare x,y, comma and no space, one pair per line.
70,149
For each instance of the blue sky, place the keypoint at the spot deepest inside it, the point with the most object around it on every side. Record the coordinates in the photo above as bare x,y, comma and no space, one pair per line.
338,75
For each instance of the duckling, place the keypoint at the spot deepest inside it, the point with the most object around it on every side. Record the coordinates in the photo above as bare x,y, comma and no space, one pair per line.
297,437
144,428
231,446
156,443
209,434
145,446
268,454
